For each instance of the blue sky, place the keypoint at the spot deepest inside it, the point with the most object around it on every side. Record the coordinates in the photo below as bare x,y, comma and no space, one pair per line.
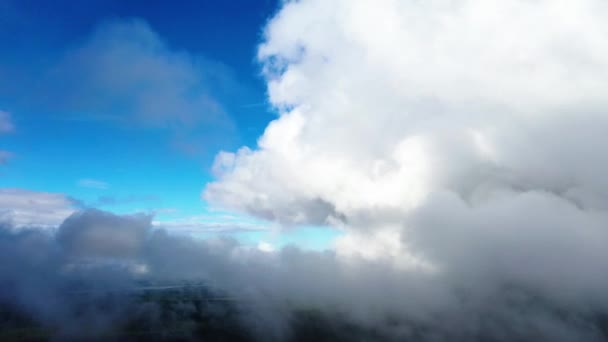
123,105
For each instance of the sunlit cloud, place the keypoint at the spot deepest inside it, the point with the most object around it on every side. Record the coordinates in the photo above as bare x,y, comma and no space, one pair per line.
27,208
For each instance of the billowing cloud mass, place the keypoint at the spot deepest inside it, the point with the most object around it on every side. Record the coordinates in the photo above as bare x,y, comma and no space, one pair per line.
456,141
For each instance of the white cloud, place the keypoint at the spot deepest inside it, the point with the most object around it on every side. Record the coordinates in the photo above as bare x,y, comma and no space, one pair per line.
463,136
266,247
26,208
92,183
385,103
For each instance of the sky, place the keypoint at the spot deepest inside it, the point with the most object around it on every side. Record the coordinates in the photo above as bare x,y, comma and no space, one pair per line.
397,169
123,105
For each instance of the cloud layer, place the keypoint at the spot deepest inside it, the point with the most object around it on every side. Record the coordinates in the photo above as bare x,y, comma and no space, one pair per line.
454,138
65,279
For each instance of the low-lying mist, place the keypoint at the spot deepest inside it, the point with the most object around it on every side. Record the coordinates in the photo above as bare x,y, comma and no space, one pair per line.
101,275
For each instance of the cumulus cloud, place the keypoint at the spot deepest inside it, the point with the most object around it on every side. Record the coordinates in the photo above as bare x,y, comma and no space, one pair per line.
279,294
456,141
27,208
78,280
94,233
46,268
384,104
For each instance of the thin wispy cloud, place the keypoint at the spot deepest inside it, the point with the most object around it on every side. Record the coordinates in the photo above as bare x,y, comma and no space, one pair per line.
126,73
93,184
6,123
5,156
213,223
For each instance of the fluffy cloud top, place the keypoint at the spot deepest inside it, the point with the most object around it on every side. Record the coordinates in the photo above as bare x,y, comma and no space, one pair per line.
97,234
384,105
456,138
